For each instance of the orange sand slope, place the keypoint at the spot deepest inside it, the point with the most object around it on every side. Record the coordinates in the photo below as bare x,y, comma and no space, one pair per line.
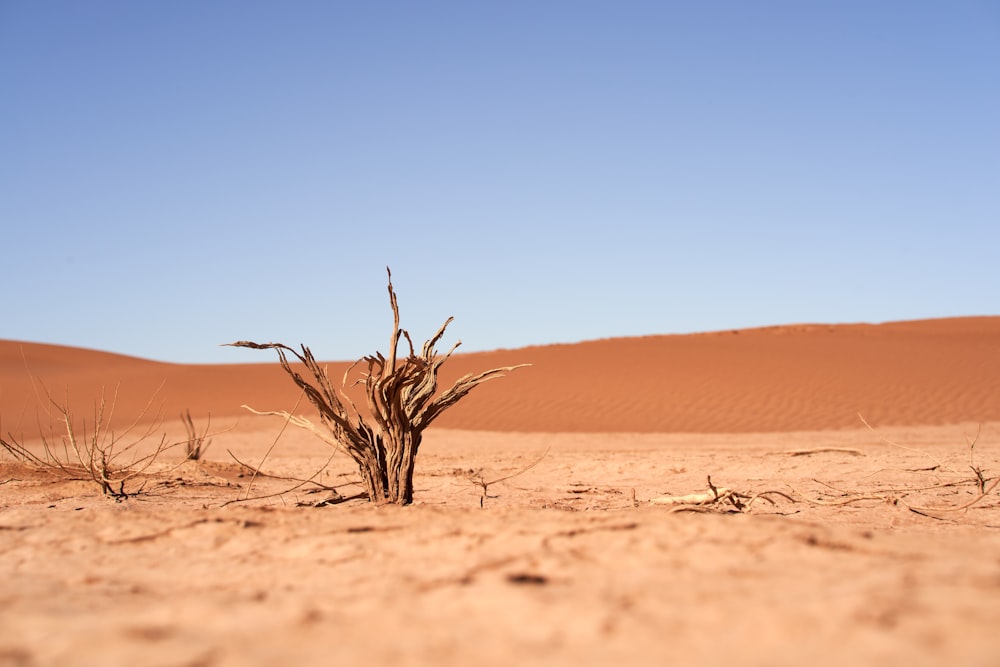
758,380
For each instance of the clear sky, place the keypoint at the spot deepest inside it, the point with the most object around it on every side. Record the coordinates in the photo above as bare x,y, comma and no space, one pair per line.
177,175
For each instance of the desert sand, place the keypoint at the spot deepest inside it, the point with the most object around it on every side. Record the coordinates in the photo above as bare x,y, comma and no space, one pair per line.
878,545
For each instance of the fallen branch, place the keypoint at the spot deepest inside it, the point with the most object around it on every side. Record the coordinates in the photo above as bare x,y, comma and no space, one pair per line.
825,450
958,508
279,494
854,498
716,496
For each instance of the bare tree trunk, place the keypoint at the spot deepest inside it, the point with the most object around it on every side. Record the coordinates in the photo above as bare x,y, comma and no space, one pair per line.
373,478
402,464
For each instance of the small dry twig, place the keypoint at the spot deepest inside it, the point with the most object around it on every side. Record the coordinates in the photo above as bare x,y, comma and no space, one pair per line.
480,481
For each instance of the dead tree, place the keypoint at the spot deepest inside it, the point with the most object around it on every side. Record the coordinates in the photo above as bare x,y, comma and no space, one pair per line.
402,400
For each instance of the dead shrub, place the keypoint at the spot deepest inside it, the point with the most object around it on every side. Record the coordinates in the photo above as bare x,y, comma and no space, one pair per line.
114,462
402,399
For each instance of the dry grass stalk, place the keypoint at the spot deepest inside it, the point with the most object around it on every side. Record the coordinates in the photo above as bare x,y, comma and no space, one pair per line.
197,443
980,474
402,397
98,455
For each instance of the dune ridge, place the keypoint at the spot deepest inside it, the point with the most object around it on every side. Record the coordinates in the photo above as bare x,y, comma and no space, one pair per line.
771,379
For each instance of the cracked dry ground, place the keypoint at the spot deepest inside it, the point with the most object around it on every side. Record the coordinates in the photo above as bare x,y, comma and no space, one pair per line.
560,566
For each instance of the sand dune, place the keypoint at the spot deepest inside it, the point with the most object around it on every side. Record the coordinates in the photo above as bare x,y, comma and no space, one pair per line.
785,378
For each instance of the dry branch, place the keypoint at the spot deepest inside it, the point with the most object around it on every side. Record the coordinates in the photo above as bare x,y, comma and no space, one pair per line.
717,498
958,508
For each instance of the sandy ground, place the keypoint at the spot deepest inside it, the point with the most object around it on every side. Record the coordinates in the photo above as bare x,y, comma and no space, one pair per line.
533,538
566,563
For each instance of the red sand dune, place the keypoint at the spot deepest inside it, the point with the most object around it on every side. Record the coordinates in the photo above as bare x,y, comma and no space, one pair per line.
784,378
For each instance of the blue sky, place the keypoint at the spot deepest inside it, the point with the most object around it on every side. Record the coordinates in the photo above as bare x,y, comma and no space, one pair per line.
177,175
